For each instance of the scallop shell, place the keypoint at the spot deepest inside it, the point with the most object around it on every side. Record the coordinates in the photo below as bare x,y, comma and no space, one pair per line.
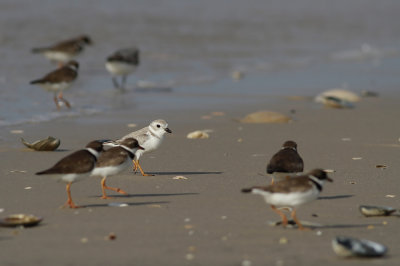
20,220
266,117
48,144
198,134
376,210
352,247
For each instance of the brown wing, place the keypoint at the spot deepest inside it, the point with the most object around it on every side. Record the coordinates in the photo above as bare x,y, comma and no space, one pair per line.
79,162
292,184
285,161
113,156
62,74
69,46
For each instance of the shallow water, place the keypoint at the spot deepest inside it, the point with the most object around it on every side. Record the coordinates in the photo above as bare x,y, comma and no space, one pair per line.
190,48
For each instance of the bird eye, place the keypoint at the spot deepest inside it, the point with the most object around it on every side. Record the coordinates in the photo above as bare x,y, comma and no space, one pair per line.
158,126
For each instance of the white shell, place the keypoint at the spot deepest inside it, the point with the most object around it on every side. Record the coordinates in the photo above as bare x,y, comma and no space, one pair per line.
352,247
341,94
198,134
376,210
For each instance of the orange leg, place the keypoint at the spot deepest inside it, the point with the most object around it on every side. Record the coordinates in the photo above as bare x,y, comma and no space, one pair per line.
137,165
104,187
272,181
135,168
293,214
60,97
69,202
281,214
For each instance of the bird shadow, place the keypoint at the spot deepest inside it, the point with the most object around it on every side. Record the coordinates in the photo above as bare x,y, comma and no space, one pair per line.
185,173
149,195
335,197
292,224
127,204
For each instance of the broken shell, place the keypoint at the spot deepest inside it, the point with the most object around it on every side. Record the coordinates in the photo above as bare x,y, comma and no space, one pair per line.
266,117
20,220
340,94
334,102
349,247
198,134
48,144
376,210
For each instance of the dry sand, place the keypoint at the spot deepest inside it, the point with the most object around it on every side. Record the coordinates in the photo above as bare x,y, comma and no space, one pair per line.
205,220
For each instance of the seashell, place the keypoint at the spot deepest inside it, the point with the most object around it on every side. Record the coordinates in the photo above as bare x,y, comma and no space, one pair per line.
266,117
49,144
376,210
352,247
334,102
341,94
198,134
20,220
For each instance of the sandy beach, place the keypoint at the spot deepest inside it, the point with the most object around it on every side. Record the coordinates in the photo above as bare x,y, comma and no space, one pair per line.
205,219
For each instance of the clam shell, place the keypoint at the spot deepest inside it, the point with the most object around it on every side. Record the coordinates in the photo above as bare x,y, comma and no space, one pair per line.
48,144
335,102
20,220
198,134
376,210
341,94
352,247
266,117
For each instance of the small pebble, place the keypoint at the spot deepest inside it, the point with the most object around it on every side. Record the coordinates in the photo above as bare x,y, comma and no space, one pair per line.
1,210
319,233
390,196
111,236
357,158
131,125
84,240
189,256
179,177
370,227
27,188
346,139
246,263
17,131
283,241
187,220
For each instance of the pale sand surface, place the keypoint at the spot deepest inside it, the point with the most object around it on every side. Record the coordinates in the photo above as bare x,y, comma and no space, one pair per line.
205,220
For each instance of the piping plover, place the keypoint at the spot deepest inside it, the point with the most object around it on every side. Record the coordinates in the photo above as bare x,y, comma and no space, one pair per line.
114,161
122,63
59,80
285,162
64,51
292,192
150,138
75,166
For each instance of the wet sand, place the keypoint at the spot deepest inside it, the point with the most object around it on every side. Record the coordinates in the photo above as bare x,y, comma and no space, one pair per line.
205,220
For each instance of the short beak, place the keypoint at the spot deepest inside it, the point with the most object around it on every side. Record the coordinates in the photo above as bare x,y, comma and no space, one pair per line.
329,179
168,130
140,147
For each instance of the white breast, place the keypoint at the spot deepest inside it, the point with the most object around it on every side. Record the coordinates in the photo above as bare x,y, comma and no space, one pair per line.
58,56
119,68
56,86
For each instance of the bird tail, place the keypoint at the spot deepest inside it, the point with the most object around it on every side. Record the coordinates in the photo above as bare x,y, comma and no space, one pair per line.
247,190
45,172
39,50
36,81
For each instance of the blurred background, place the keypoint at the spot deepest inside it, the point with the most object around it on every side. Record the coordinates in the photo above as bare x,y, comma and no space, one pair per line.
197,54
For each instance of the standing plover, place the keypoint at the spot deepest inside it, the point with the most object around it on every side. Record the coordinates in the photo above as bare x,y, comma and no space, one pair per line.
75,166
285,162
150,138
114,161
64,51
59,80
292,192
122,63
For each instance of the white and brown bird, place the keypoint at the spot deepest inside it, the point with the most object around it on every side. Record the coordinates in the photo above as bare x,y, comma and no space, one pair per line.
64,51
59,80
285,162
150,138
122,63
115,160
75,167
292,192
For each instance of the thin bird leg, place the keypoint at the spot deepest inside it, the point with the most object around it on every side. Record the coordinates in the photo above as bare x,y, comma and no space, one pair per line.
135,168
60,97
104,187
123,82
281,214
69,202
56,101
115,82
293,214
141,170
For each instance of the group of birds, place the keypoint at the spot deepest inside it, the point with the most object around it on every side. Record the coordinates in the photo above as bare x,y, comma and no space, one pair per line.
96,161
120,64
289,187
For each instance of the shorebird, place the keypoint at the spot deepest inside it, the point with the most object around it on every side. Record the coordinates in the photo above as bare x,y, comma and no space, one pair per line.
292,192
75,167
285,162
64,51
114,161
150,138
59,80
122,63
